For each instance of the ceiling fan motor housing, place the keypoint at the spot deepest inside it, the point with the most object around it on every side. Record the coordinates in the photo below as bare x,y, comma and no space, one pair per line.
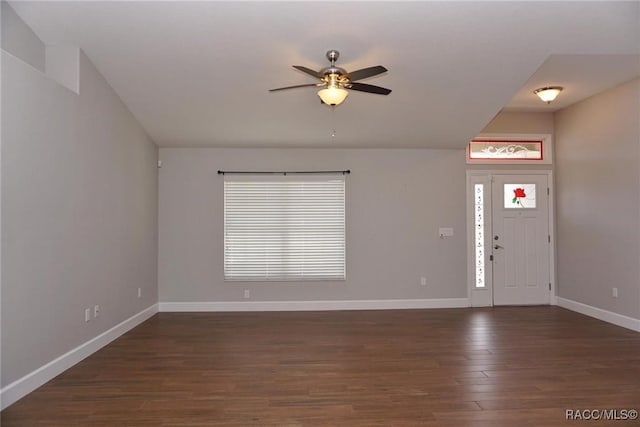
334,76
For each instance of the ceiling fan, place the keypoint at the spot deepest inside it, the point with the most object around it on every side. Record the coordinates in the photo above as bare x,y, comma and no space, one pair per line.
335,81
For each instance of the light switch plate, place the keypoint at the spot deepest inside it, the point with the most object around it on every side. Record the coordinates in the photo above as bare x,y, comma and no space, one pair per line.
445,231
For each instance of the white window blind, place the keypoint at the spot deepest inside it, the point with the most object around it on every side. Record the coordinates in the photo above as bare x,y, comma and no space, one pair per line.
284,227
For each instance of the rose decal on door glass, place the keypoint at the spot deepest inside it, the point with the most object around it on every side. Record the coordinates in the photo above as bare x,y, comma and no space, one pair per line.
519,194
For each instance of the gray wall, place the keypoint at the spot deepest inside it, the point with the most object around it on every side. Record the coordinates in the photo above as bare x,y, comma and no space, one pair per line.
396,200
20,40
598,200
520,122
79,214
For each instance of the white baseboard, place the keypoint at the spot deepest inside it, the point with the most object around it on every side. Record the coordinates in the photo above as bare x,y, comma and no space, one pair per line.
313,305
25,385
598,313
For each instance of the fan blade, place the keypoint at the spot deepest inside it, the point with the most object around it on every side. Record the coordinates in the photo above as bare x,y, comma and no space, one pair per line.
365,72
308,71
293,87
362,87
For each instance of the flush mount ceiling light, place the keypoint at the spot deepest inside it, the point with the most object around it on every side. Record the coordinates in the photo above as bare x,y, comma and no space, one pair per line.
548,94
334,81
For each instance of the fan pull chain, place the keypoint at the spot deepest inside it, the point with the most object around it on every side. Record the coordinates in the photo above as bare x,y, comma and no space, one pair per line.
333,122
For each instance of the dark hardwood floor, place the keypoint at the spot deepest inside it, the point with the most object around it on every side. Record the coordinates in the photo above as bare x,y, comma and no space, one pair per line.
512,366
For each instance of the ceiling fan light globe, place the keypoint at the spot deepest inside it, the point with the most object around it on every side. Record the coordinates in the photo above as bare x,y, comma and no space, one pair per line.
333,95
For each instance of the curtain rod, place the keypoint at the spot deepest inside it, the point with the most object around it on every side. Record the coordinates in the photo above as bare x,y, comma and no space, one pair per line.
344,172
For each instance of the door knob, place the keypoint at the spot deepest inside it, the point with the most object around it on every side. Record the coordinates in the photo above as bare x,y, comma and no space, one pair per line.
498,247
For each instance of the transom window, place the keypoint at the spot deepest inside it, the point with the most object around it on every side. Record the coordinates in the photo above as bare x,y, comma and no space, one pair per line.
510,149
281,228
505,149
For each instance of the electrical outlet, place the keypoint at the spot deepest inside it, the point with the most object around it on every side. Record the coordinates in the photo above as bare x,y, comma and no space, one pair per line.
96,310
87,314
247,293
614,292
423,281
139,292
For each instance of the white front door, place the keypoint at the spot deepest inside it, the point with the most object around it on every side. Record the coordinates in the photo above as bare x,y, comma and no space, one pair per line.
520,240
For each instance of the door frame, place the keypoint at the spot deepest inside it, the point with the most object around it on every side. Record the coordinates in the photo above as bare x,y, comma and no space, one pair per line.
483,297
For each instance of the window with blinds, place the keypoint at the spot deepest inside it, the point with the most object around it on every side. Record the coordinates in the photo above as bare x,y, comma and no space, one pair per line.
279,228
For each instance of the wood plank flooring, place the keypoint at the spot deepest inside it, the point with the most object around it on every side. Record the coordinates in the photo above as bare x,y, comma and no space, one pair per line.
512,366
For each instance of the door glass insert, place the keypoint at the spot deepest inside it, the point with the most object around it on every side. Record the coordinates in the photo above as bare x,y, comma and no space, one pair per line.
519,196
478,213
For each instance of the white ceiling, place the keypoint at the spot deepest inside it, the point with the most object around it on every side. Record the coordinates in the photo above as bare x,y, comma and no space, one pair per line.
198,73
